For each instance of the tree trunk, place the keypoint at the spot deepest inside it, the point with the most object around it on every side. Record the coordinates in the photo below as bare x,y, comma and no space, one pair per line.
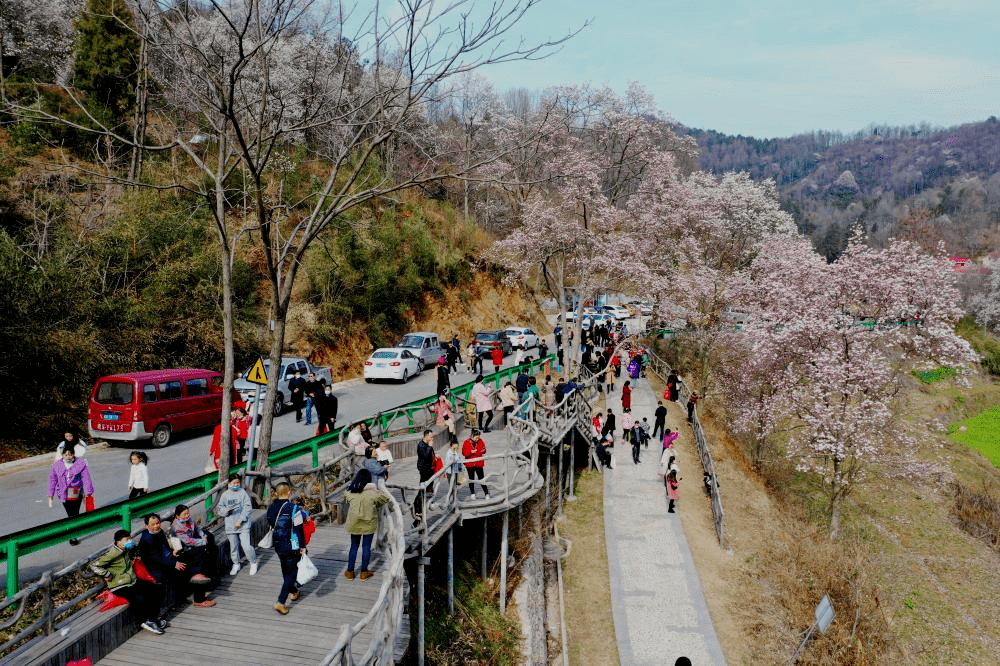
836,499
139,122
225,418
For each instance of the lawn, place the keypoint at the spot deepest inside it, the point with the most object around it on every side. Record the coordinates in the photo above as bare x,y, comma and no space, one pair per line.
982,433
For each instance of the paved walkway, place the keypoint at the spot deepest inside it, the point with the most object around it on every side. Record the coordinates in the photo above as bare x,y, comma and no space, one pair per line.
656,597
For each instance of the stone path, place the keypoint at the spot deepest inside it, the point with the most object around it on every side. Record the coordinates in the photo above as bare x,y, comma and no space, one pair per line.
657,601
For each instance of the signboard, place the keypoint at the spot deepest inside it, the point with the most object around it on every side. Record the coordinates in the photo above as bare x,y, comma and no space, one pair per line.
824,614
258,373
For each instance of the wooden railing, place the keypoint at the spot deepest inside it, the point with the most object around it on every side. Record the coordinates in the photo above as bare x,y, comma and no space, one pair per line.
663,369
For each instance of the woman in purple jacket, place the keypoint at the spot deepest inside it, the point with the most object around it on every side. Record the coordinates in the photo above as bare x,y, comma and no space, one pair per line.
69,480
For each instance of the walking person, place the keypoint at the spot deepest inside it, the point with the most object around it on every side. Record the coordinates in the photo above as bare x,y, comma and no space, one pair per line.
326,411
635,439
454,465
672,387
443,378
70,482
609,378
543,349
482,395
288,538
363,503
116,568
425,468
138,475
497,356
668,438
71,440
453,356
672,484
311,389
236,506
659,419
548,392
475,447
557,332
692,401
559,358
471,360
626,395
508,398
297,385
609,424
457,346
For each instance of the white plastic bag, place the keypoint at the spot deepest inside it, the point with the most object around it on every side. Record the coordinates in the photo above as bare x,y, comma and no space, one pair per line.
268,539
307,570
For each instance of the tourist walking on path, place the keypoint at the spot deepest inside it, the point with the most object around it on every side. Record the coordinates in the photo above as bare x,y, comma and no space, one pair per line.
443,378
673,484
497,356
311,390
471,360
659,419
236,507
116,568
609,424
297,386
609,378
669,437
673,390
288,538
454,465
508,398
138,475
475,447
548,392
627,395
363,503
70,482
71,440
482,395
425,468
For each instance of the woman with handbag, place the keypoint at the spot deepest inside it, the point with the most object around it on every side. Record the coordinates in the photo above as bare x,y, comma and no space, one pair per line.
364,502
69,480
198,549
288,537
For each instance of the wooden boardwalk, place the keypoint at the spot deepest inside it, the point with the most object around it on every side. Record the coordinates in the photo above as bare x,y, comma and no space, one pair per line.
243,628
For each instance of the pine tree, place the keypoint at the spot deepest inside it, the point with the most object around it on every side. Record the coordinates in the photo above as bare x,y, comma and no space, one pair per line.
107,50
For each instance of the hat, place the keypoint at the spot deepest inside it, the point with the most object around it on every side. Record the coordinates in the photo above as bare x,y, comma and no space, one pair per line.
475,431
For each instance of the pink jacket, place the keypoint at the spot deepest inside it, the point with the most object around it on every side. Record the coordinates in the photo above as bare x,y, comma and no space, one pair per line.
60,478
668,440
483,397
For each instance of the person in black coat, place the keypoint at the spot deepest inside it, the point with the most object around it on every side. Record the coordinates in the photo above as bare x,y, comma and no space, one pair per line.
443,379
453,357
660,419
609,424
296,386
312,388
326,410
425,468
289,540
163,565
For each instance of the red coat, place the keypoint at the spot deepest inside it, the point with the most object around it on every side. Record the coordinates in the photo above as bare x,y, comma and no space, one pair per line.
497,355
216,450
626,397
475,449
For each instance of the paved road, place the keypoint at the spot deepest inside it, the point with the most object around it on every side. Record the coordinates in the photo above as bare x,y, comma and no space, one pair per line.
23,489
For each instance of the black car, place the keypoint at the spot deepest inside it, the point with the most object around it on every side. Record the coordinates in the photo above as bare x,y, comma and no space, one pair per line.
486,340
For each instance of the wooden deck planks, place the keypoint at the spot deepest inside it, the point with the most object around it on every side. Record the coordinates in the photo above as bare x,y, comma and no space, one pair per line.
243,628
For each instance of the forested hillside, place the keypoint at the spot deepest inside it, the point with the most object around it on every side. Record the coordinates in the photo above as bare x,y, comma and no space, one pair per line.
925,183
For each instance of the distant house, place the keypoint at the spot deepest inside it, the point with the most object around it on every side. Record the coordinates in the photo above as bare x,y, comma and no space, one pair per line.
961,264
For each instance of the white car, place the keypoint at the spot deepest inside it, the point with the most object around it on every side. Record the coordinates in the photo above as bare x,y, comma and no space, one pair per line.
525,338
617,311
392,363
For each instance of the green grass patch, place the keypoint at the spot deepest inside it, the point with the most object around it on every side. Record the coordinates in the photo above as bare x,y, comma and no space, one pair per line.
982,433
935,375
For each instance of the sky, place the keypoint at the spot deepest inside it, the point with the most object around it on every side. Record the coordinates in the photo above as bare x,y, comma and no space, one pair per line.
775,68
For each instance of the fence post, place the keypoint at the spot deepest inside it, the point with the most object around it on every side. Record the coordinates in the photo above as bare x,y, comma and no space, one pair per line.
127,518
315,453
12,568
47,601
209,517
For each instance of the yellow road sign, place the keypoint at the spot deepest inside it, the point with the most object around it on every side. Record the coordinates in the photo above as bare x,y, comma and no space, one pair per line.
258,373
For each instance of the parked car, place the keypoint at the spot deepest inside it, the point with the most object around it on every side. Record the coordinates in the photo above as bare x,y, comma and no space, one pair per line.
424,345
485,341
250,391
392,363
617,311
525,338
154,405
604,318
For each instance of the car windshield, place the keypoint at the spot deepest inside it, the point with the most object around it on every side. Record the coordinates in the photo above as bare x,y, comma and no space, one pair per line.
412,341
486,337
267,367
385,354
114,393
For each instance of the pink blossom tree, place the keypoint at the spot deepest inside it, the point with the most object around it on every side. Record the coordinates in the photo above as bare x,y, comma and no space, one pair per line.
840,337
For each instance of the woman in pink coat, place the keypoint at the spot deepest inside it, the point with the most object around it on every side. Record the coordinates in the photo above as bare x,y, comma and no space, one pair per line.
482,395
442,407
673,484
69,480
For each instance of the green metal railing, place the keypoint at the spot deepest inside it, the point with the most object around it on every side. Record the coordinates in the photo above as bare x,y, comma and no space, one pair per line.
120,514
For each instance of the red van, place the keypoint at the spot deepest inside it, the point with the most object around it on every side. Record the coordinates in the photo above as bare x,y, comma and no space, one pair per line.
154,404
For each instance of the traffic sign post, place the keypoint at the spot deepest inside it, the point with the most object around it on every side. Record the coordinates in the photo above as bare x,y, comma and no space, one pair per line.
824,618
257,375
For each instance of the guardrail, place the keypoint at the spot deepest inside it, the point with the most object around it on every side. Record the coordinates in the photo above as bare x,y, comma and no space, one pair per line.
120,514
663,369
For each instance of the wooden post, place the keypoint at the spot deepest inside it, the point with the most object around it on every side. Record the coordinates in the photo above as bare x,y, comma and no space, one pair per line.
572,465
451,571
503,564
485,530
421,561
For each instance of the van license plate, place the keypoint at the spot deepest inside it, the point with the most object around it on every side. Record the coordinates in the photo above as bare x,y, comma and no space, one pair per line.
110,416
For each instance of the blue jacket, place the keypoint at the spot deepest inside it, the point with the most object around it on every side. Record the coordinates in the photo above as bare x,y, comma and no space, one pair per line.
286,518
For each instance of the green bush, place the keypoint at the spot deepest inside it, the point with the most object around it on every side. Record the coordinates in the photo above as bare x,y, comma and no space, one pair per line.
983,342
935,375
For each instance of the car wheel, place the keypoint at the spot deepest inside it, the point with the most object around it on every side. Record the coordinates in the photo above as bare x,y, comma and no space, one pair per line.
279,405
161,436
369,380
406,376
420,365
